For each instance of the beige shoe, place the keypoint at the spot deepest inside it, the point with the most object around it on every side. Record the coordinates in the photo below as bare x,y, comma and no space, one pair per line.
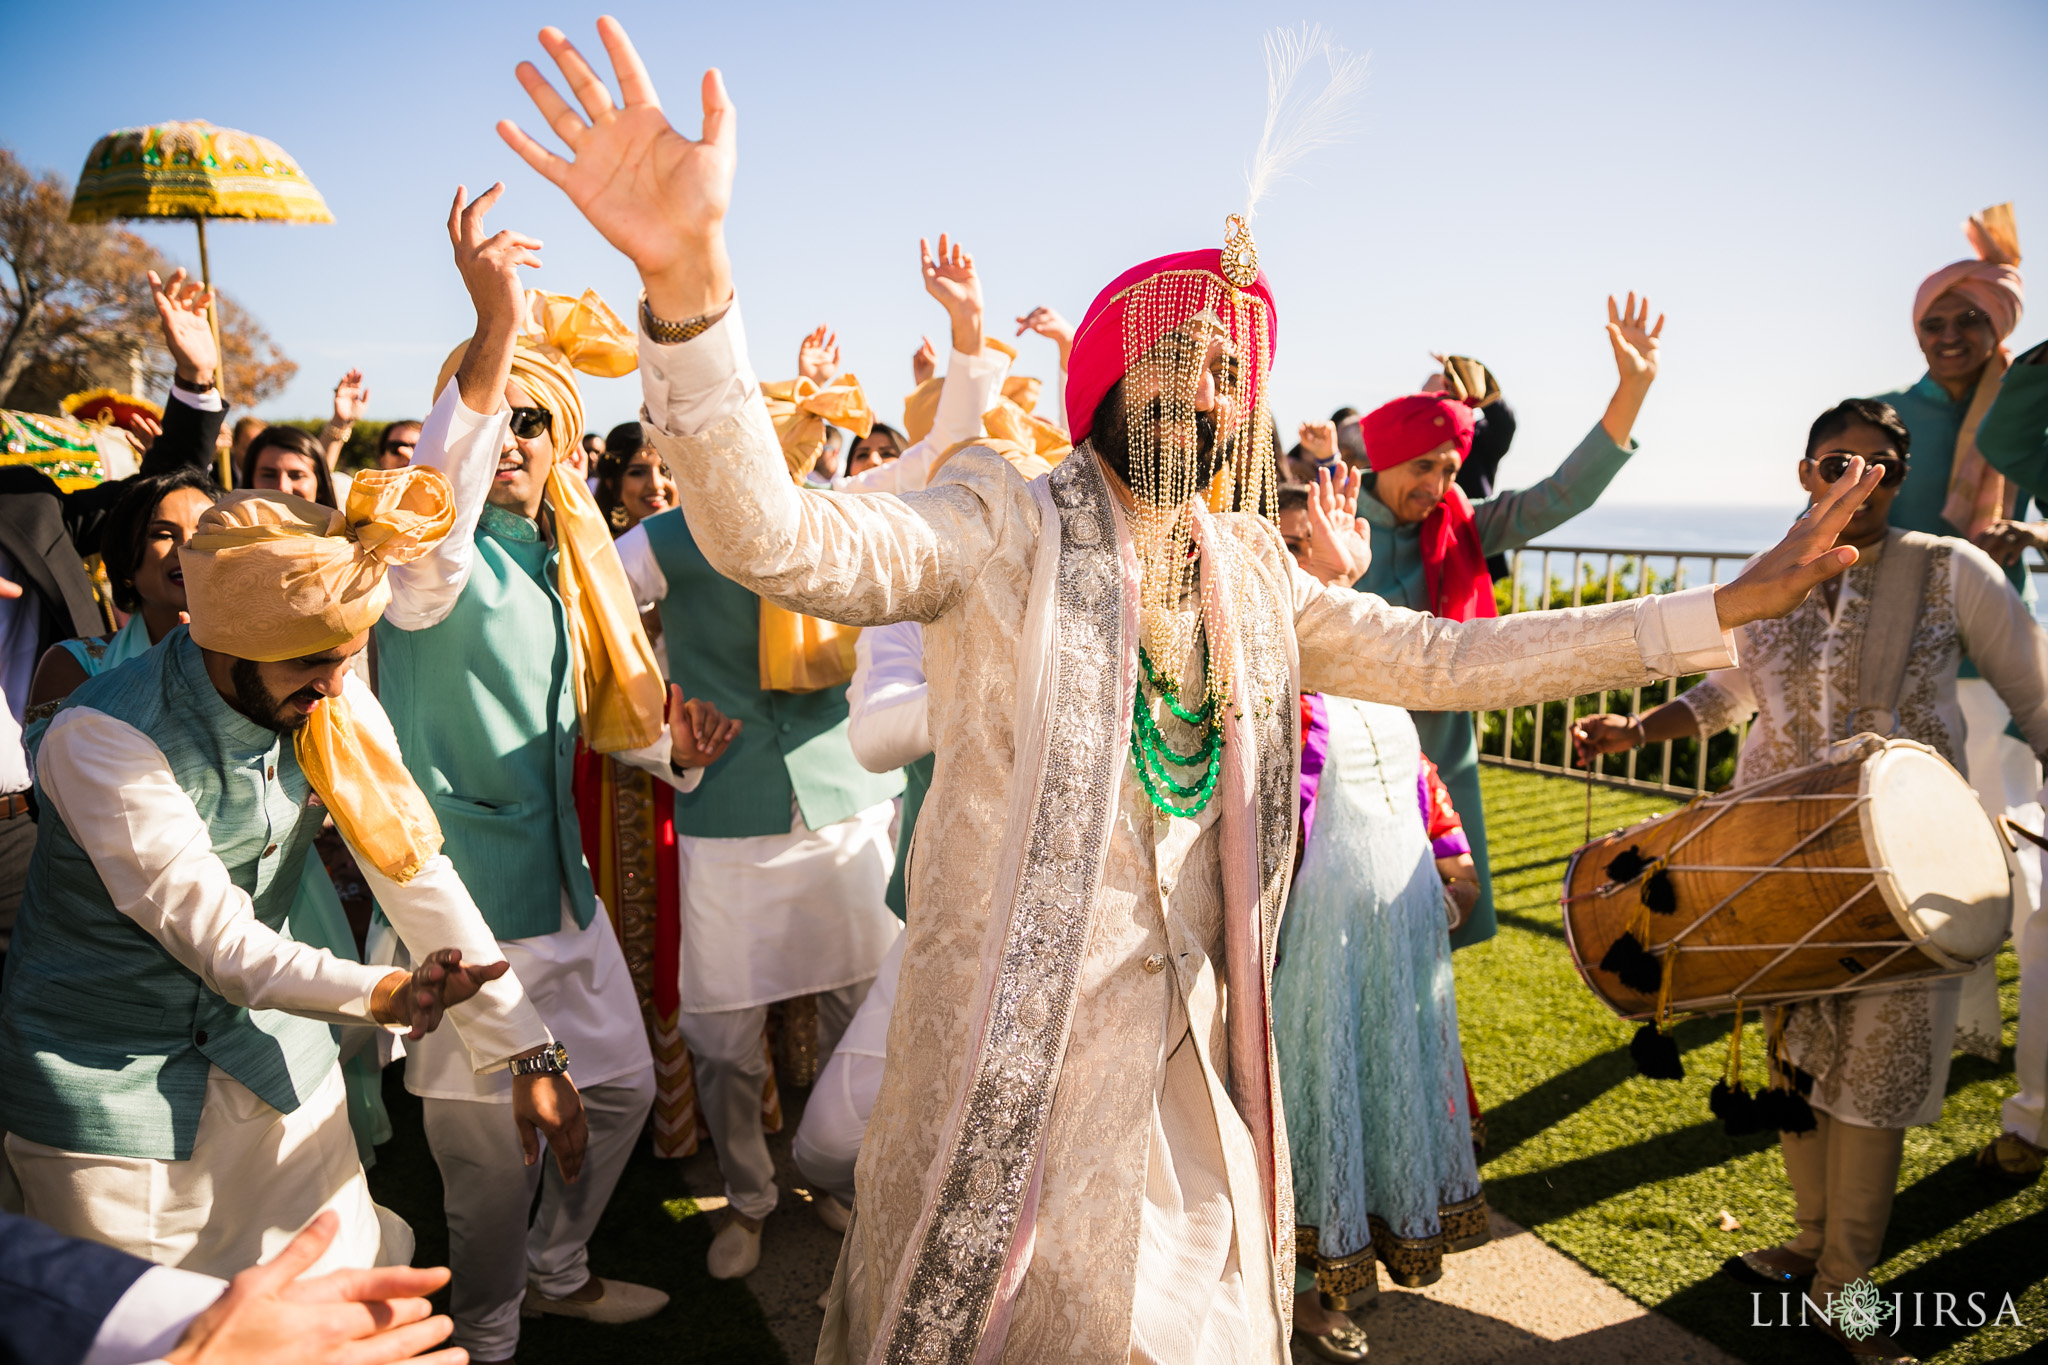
735,1251
2010,1158
831,1212
617,1301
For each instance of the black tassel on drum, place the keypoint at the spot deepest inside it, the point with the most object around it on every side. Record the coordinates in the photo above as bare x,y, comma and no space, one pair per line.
1659,894
1656,1054
1637,967
1627,865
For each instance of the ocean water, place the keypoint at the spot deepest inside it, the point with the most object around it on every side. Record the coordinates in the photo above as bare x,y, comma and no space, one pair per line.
1665,528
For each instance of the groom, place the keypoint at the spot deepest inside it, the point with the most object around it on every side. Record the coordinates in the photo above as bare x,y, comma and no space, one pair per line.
1090,935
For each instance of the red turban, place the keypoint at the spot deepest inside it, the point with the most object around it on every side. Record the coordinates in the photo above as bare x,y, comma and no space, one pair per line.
1407,427
1103,349
1453,562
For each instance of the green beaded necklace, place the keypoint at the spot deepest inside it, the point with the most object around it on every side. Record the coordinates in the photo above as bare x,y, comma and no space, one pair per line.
1152,755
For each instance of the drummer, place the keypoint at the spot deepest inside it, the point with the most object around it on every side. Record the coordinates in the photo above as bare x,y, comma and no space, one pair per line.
1879,1058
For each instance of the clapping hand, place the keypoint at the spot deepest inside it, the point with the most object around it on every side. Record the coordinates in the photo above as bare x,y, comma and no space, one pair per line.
349,1317
818,358
950,278
188,335
441,980
924,361
1778,580
699,733
653,193
1340,543
1634,340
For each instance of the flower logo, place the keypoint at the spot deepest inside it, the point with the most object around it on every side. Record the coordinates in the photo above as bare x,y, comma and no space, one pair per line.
1860,1309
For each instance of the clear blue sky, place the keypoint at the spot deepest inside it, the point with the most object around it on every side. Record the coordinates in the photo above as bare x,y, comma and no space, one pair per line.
1778,178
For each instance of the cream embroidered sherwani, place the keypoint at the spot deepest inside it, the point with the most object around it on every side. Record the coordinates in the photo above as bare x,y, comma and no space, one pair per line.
1077,1152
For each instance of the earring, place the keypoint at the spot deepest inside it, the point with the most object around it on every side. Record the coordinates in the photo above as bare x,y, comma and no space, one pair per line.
620,516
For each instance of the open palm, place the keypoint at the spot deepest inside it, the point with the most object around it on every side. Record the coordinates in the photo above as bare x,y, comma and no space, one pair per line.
1634,339
647,188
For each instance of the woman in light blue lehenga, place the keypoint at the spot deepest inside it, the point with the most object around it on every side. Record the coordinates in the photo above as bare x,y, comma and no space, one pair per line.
1365,1022
143,531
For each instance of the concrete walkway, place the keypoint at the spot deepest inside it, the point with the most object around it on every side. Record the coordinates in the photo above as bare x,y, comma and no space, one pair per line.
1514,1300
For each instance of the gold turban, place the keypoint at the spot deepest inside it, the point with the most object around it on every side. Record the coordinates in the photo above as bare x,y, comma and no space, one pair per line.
620,696
800,409
270,577
1010,428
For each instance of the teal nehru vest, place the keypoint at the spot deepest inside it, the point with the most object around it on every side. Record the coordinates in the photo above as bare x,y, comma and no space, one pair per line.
105,1038
791,744
485,712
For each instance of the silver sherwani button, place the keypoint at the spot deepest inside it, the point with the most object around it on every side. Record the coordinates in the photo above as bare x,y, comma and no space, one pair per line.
1156,963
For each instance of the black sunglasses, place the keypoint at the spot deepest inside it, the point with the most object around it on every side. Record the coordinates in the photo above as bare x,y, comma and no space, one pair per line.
528,423
1832,467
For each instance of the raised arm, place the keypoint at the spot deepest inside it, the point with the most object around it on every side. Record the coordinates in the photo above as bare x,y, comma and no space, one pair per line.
661,198
1508,521
467,430
194,412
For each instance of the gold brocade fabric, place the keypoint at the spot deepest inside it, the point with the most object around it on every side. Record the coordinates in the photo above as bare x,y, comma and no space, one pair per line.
620,697
269,577
800,410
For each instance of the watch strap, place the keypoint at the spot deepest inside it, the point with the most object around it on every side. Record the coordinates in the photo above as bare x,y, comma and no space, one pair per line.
665,333
179,381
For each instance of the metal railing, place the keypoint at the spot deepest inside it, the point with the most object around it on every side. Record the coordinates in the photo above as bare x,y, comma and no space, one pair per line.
1537,738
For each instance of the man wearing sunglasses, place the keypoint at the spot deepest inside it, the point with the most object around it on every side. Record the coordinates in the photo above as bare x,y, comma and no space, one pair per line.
395,447
1879,1058
515,638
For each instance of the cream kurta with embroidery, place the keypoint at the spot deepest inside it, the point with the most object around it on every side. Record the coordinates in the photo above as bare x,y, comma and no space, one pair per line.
1879,1058
1119,1215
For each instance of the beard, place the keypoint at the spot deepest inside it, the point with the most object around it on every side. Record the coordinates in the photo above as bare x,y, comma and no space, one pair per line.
263,706
1136,455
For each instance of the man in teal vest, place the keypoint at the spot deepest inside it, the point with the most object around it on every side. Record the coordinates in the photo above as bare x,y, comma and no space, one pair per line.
786,855
514,636
168,1079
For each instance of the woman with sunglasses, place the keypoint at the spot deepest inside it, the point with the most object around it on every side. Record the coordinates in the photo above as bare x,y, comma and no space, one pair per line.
1879,1058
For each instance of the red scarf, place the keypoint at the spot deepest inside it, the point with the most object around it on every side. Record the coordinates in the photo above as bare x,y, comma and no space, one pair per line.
1453,564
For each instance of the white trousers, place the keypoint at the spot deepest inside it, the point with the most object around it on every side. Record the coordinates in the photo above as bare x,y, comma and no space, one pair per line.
488,1188
827,1142
732,1068
2006,776
255,1178
2026,1113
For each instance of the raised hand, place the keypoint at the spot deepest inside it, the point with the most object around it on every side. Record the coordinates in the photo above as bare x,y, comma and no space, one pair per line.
181,307
490,265
1634,340
924,361
1048,323
653,193
950,278
348,1317
1340,544
699,733
1778,580
1319,441
351,397
818,358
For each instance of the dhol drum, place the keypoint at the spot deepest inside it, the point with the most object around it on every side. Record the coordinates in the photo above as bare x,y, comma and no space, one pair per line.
1873,867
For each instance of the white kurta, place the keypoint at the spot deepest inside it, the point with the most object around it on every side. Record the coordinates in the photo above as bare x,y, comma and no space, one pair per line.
773,916
117,795
970,388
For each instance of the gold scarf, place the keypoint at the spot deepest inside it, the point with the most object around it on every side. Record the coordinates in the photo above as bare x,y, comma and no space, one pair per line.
269,577
620,697
801,653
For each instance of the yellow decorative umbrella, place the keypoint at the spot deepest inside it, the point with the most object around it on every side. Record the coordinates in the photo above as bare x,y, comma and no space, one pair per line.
196,170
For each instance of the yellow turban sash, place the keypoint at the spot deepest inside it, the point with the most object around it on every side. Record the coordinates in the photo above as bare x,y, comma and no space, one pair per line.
801,653
269,577
1010,428
800,409
620,697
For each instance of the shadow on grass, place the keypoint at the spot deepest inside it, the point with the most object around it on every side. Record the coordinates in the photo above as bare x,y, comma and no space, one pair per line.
1514,1122
641,1238
1558,1191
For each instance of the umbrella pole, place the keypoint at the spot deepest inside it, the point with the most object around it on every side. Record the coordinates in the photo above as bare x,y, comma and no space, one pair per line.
220,374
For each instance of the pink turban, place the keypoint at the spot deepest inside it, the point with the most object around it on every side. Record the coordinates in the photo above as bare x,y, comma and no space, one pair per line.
1977,494
1103,349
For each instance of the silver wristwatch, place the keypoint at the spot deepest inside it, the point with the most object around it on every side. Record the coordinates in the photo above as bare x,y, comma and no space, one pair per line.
551,1060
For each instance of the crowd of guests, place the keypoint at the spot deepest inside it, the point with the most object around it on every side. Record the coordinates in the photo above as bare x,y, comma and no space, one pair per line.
686,815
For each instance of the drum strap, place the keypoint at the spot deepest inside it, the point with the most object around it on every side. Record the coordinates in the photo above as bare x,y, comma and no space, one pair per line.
1896,596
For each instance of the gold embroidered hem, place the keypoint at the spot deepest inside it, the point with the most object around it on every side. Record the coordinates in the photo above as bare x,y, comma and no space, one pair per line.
1350,1282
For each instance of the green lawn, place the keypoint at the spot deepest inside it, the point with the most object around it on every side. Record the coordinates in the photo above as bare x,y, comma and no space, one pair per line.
1629,1176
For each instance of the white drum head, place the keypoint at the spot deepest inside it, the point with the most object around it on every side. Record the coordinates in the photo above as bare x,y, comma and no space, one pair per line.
1946,878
